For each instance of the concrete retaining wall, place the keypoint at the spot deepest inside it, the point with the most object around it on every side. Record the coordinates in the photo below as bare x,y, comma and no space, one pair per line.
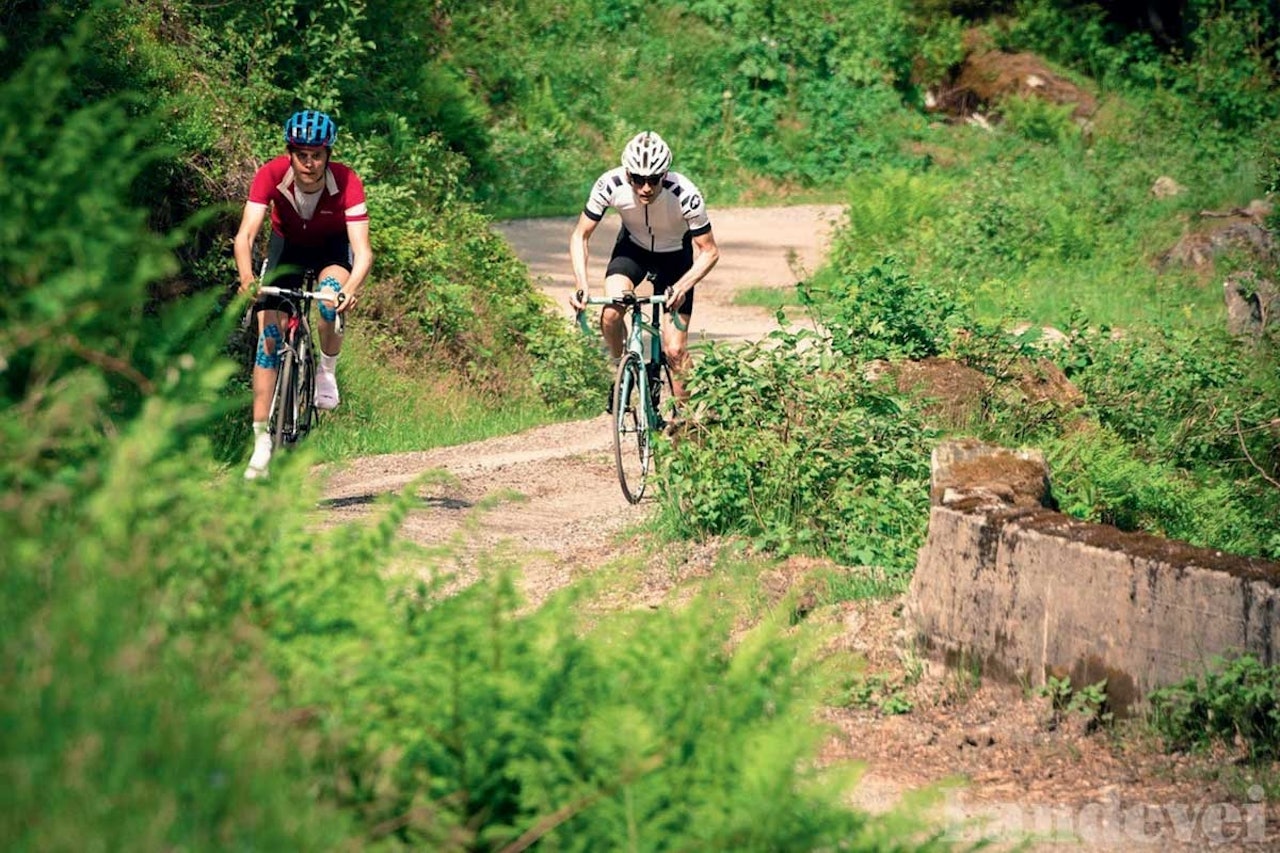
1025,592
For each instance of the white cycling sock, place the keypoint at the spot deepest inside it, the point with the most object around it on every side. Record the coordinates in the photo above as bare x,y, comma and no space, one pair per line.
260,427
328,363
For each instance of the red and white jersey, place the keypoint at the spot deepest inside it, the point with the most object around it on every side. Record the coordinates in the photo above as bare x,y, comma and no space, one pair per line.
659,226
309,219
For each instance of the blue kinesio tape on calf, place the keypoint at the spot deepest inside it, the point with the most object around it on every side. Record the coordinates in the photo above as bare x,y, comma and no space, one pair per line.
327,309
269,360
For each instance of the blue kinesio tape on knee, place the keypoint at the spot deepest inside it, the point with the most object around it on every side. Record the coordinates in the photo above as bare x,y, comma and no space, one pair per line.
269,360
327,309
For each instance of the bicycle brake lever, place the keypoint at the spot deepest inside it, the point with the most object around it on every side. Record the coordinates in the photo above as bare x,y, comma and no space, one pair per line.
580,316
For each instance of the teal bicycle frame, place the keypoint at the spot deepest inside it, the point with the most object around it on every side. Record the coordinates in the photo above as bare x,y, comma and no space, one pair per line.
637,390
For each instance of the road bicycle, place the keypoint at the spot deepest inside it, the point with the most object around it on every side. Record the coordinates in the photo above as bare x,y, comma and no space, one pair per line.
293,402
642,380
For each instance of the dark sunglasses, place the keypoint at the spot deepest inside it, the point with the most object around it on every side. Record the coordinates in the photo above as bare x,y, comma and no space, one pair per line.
641,180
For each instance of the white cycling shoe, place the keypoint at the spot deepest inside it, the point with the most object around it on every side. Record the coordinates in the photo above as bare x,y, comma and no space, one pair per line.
260,459
326,390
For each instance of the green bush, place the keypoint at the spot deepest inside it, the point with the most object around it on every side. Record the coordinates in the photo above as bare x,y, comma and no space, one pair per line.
794,450
1187,395
1099,477
126,722
450,292
1237,703
880,312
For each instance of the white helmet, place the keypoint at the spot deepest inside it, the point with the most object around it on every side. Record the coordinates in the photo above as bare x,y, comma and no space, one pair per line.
646,154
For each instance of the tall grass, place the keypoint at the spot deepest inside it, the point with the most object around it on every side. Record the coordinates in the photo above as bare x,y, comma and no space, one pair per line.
388,409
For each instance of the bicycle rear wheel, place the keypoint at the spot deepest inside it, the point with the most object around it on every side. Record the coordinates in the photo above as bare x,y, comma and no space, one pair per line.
632,449
284,403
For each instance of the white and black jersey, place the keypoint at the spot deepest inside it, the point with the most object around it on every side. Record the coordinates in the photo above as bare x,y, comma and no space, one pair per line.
663,225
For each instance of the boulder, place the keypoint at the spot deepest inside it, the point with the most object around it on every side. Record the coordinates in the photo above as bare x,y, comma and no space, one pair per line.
1253,304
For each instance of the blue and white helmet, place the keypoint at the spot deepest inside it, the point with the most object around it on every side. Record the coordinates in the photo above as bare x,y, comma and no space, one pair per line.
310,128
646,154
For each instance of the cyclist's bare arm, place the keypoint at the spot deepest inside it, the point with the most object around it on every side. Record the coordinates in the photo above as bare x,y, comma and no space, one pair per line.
578,256
705,255
250,226
361,261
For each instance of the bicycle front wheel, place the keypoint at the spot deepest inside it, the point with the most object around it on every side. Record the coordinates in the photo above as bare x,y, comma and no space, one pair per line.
632,448
305,387
284,409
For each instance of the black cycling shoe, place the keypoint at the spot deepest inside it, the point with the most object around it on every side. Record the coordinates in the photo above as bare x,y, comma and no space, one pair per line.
608,404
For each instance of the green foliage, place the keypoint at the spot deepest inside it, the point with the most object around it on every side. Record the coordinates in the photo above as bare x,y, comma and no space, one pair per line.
1038,120
1158,446
1176,404
76,260
124,720
1088,702
884,210
881,693
810,95
1236,703
796,451
472,727
940,47
797,93
1232,74
1188,395
450,291
880,312
1079,36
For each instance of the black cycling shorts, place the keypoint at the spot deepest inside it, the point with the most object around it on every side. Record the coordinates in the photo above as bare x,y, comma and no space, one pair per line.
667,267
293,261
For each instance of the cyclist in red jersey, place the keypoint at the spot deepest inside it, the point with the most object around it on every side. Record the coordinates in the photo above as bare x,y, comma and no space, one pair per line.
319,221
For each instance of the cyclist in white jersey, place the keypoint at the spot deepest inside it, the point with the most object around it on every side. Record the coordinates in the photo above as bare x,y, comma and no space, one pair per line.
665,232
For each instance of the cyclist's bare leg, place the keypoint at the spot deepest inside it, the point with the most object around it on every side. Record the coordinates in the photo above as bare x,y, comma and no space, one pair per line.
330,340
612,325
264,378
675,346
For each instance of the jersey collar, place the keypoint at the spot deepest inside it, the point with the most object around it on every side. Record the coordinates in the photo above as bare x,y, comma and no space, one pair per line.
286,184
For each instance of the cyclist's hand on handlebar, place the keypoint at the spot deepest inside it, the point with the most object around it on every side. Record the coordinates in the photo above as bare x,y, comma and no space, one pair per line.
578,300
345,301
246,286
675,298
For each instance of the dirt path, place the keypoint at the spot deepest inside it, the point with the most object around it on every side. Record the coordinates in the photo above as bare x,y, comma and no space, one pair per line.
549,495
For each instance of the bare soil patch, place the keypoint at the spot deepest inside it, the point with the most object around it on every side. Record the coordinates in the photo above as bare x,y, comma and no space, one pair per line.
549,495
